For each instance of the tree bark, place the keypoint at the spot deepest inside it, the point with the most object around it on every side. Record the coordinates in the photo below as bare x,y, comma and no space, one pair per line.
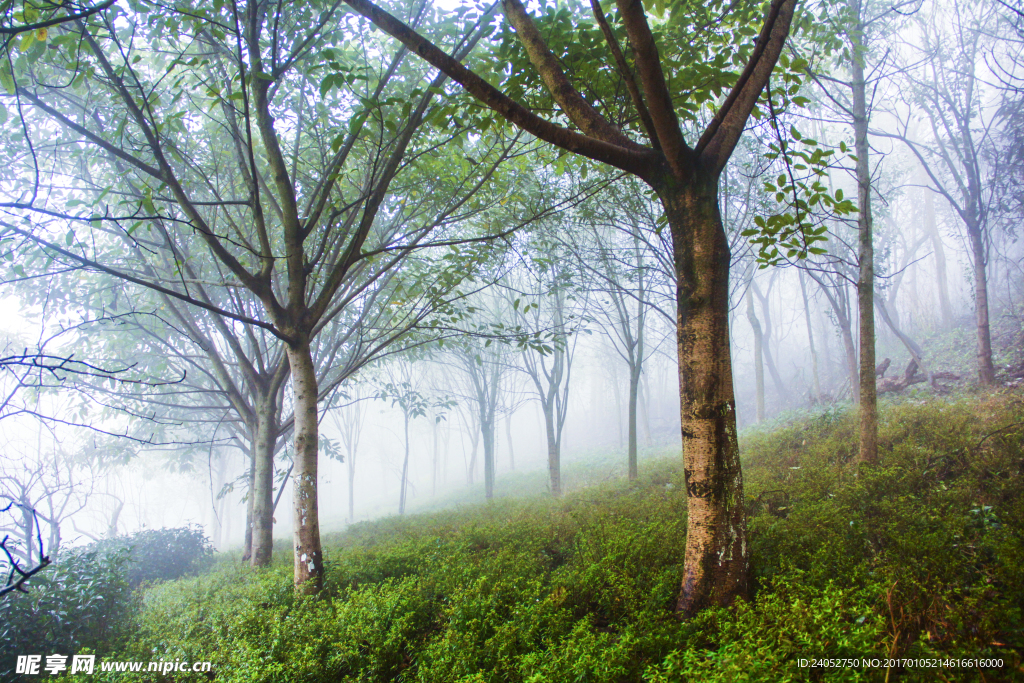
716,546
309,566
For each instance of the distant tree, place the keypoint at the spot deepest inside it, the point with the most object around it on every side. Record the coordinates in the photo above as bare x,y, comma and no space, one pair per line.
950,100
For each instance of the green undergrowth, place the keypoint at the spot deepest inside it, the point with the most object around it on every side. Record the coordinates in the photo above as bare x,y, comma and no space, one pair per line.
920,557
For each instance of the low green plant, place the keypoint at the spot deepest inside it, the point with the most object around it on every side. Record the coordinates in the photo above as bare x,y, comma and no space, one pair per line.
920,556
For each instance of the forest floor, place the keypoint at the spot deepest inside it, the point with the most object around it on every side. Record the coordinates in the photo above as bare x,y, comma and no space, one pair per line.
896,571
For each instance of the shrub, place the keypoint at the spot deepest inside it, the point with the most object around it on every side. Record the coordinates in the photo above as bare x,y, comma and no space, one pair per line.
81,601
162,554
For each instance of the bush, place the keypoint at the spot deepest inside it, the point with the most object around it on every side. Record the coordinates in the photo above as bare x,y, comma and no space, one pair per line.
162,554
81,601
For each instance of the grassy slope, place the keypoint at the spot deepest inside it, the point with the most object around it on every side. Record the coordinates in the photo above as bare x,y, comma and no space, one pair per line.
921,557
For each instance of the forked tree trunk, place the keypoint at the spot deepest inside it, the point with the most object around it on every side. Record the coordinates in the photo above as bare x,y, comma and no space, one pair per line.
716,545
263,483
309,566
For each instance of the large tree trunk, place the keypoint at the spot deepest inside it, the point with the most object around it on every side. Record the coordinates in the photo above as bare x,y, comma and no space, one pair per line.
263,483
866,255
986,371
309,565
716,548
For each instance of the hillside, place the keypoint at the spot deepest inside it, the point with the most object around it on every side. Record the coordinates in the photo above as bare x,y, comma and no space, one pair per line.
922,557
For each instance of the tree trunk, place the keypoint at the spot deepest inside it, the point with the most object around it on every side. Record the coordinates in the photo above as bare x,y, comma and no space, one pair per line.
405,465
263,482
815,380
940,259
434,457
851,357
554,452
634,389
766,340
250,499
508,435
351,488
716,548
986,371
487,431
866,254
309,566
758,365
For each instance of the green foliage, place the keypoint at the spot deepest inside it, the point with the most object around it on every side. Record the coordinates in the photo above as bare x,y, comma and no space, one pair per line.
918,557
161,554
81,601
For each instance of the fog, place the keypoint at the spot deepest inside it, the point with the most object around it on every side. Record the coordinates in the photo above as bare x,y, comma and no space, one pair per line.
143,434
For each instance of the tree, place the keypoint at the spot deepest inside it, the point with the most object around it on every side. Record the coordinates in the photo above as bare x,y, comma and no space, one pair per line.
685,178
623,283
350,425
403,391
484,369
17,573
545,307
176,126
950,98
